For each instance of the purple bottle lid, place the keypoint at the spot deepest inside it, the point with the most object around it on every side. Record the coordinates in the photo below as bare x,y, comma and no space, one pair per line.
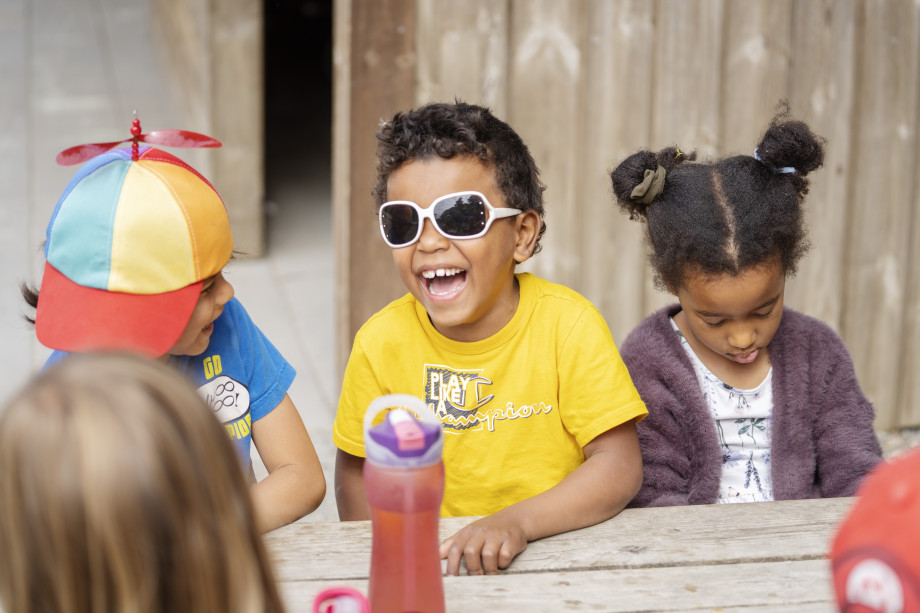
409,434
405,436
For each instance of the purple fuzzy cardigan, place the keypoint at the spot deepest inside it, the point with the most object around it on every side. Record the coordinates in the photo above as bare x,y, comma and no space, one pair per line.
823,440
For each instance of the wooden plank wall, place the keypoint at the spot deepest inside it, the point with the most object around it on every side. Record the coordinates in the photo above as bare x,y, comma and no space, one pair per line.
213,51
374,71
586,82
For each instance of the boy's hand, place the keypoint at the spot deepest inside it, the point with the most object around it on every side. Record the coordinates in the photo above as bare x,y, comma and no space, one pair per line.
485,545
594,492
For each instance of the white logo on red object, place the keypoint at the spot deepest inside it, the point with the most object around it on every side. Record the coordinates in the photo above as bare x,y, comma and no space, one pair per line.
874,584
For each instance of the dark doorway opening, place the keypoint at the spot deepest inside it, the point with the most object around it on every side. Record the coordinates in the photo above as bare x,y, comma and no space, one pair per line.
298,103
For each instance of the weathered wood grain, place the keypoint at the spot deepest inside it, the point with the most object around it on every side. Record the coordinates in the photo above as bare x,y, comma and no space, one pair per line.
213,52
378,44
637,538
802,586
21,226
344,330
463,52
546,84
909,393
689,40
821,92
884,153
618,61
755,70
586,82
908,400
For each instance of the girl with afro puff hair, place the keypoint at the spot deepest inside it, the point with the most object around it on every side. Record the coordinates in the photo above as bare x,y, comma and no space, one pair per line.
748,400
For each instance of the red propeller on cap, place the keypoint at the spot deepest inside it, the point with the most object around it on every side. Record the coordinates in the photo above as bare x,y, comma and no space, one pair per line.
169,138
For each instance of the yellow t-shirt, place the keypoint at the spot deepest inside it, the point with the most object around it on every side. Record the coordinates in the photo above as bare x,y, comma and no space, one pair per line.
517,408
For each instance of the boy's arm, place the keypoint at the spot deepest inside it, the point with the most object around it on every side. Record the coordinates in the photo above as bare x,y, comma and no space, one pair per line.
350,496
295,485
595,491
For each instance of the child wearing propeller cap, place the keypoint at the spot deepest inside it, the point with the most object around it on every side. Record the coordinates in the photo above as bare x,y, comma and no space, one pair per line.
135,252
537,407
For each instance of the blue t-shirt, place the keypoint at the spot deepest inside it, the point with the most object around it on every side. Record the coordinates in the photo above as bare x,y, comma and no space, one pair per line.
241,375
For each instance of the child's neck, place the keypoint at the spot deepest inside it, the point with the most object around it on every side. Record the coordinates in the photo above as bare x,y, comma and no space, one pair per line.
499,316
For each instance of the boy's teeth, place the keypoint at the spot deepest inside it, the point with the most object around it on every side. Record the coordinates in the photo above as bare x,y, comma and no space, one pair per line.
440,272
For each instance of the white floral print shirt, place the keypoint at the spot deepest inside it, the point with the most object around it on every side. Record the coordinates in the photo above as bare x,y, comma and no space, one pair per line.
743,419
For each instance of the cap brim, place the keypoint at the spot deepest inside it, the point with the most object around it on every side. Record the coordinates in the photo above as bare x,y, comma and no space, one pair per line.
71,317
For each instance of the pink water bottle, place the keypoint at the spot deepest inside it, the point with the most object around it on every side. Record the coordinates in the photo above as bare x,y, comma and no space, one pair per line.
404,480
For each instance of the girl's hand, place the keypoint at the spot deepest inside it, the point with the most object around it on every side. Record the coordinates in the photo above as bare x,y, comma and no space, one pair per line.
486,545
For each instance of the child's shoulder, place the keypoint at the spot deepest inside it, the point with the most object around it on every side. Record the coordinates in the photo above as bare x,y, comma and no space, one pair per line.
655,326
400,310
799,329
556,307
796,324
541,289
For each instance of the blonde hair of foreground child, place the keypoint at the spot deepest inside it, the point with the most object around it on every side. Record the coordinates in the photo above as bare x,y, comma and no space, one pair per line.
119,491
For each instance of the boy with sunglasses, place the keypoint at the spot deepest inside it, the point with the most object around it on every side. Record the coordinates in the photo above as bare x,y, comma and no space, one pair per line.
538,408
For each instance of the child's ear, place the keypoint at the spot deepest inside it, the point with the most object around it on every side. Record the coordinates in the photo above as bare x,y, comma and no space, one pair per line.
527,229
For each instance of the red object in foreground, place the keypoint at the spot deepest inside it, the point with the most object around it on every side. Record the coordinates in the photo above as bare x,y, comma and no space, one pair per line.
876,551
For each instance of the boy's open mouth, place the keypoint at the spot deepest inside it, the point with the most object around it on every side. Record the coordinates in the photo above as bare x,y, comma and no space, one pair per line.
444,281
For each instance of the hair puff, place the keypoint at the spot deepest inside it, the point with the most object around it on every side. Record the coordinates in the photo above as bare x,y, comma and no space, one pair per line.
631,173
726,215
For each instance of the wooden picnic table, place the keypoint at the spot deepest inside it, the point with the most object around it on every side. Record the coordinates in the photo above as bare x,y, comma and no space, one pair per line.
754,557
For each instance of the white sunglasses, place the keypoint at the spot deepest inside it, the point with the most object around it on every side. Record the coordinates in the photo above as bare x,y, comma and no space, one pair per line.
458,215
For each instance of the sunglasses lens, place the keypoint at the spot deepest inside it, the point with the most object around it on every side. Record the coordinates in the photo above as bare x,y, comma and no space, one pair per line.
399,223
462,215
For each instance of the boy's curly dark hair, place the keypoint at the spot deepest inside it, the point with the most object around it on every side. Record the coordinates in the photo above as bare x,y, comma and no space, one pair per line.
447,130
727,215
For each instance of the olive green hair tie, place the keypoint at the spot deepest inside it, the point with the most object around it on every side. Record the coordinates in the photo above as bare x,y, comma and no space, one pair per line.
651,186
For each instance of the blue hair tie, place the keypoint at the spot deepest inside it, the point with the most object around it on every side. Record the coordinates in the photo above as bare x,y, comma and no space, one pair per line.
783,170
